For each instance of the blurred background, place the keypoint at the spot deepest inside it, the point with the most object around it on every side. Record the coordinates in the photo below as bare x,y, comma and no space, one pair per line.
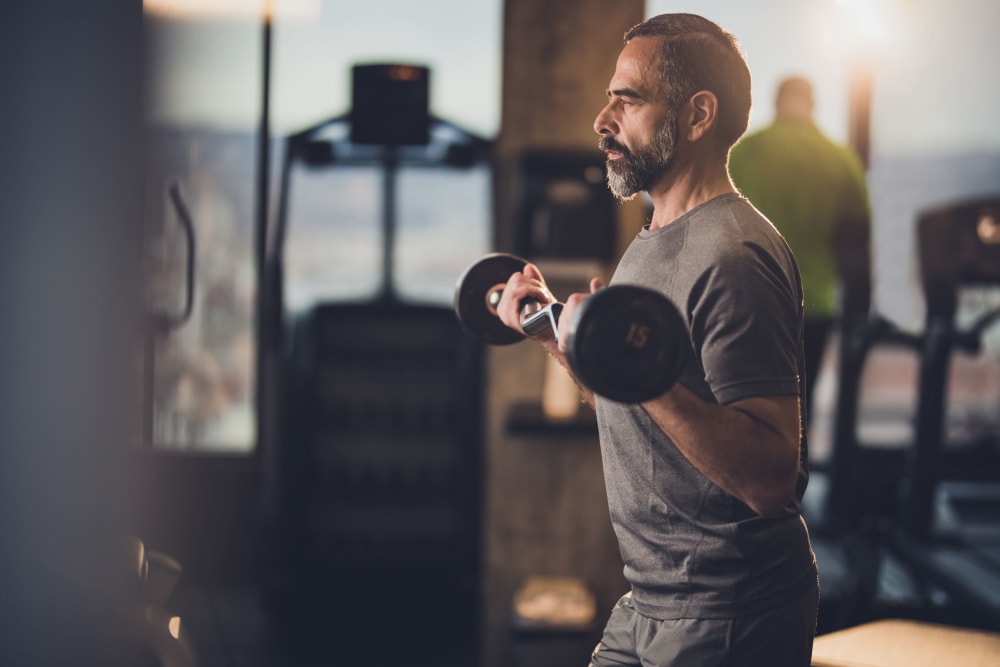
240,424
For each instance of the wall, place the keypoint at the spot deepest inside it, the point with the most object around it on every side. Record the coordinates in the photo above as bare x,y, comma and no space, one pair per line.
70,131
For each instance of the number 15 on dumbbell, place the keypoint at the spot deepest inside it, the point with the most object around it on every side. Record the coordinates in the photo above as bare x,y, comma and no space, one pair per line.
625,342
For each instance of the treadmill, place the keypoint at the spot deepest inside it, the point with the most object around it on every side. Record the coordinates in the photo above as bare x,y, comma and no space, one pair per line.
948,520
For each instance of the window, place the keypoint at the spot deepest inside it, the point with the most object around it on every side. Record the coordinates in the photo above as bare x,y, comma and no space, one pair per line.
205,66
203,101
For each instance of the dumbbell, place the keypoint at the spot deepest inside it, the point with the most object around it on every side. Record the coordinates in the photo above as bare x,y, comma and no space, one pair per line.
625,342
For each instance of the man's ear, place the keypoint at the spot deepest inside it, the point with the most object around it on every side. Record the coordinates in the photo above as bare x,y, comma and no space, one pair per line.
703,110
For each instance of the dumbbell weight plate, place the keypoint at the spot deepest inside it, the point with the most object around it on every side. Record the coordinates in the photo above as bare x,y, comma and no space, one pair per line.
626,343
472,298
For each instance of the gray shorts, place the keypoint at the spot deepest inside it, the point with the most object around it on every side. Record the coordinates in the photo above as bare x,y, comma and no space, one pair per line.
780,637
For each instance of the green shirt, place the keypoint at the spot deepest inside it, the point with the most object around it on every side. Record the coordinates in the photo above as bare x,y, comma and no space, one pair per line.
808,187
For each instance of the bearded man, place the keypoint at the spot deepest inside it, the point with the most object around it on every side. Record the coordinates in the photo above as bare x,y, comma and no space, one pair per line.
704,482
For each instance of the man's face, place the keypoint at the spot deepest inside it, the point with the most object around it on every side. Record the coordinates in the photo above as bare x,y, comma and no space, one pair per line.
637,170
638,131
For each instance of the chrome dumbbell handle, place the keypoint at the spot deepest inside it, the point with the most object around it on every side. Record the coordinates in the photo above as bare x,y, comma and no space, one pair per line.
536,319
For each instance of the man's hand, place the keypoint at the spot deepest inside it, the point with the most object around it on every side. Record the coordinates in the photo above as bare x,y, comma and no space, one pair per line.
526,285
529,284
572,303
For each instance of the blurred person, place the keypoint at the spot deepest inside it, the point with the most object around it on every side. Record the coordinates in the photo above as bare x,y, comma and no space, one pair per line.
705,481
814,192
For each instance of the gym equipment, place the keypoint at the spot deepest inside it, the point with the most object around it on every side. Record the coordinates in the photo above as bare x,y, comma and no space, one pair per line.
565,210
378,494
478,294
913,527
948,498
622,343
390,104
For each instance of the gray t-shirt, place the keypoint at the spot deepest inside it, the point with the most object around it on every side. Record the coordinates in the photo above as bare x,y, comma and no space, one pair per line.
692,550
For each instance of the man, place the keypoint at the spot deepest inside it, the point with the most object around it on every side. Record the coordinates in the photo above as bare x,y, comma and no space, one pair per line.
814,192
704,482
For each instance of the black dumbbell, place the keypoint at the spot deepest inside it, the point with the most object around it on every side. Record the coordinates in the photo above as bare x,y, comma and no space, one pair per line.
624,342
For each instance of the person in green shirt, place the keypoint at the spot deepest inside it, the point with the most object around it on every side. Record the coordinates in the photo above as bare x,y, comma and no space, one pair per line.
813,190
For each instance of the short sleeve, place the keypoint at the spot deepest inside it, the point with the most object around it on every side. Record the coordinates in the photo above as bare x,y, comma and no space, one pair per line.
745,326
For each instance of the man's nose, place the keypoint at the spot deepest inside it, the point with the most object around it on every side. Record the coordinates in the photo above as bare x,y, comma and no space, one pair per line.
603,123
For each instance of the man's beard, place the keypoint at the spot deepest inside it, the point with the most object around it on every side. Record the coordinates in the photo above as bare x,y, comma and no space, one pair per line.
637,171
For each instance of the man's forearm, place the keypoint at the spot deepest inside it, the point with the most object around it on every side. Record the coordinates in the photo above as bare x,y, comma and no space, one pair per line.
749,448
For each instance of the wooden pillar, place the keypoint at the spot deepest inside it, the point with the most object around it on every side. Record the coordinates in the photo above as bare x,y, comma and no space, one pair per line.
546,507
558,58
